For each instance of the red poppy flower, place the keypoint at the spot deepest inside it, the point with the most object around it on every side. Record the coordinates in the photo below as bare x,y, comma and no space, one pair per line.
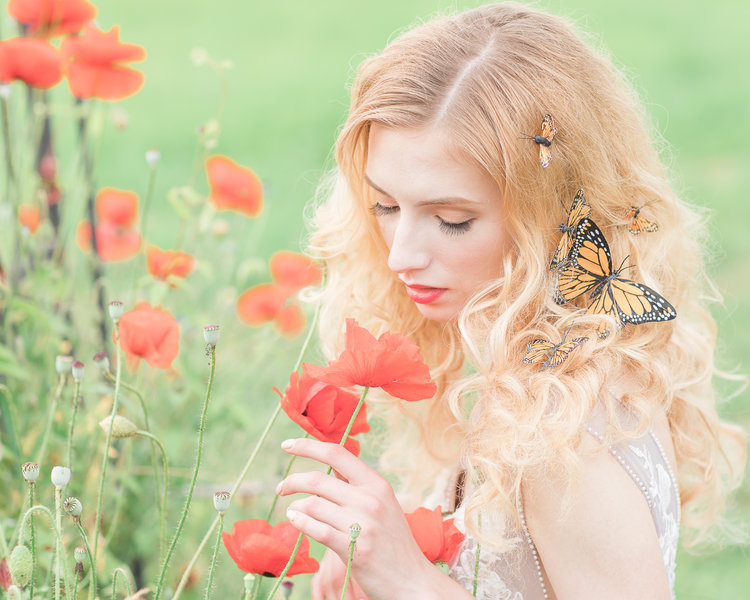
35,62
437,539
5,579
258,548
391,362
168,264
52,17
323,410
260,303
29,217
290,321
234,187
94,65
118,207
150,333
293,271
113,243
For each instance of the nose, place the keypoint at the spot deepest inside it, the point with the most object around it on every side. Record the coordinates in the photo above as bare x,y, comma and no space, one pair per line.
409,250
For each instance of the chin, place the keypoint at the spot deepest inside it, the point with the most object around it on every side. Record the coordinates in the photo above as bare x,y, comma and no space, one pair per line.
440,314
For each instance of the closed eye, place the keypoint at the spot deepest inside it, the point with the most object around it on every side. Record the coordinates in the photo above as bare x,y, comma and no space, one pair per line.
380,210
455,228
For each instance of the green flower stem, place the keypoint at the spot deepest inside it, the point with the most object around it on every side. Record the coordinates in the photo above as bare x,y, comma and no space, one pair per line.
71,431
32,537
344,437
147,200
163,497
123,465
56,534
256,586
210,582
476,562
75,589
201,431
4,550
108,441
92,563
59,565
50,418
115,573
144,408
249,463
348,569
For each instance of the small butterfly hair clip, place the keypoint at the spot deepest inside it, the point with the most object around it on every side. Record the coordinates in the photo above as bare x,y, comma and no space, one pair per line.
637,223
579,210
550,354
545,140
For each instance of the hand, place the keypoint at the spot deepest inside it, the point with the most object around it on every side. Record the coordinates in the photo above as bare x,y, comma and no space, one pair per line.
328,581
387,562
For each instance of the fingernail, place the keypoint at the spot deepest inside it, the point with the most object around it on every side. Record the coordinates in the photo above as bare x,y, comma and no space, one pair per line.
278,487
291,514
286,444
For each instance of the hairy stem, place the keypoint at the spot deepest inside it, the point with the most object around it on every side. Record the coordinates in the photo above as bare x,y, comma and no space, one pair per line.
210,582
92,561
71,430
163,496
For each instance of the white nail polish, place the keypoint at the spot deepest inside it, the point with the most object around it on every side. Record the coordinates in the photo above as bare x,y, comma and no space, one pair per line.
286,444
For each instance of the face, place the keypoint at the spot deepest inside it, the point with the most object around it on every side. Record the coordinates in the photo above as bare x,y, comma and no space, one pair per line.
441,218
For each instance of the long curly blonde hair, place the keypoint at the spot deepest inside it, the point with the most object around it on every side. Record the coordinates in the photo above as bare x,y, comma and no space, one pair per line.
488,76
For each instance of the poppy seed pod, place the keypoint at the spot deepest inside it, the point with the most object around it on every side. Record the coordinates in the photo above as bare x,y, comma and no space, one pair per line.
211,334
14,592
60,476
221,501
63,364
30,471
73,507
153,157
101,360
116,309
249,580
20,563
80,554
286,588
77,369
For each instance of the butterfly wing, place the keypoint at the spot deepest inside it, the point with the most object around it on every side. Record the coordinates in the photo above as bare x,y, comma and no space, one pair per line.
560,353
590,263
579,210
638,223
548,127
537,351
636,303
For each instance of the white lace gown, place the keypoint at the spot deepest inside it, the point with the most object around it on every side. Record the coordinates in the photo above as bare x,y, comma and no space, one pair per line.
518,574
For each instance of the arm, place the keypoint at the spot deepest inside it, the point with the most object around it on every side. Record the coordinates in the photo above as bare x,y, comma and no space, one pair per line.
387,563
605,545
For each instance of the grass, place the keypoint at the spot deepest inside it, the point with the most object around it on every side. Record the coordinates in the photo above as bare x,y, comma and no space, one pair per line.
285,99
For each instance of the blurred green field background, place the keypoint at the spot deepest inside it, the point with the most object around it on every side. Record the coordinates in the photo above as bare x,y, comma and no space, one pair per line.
288,93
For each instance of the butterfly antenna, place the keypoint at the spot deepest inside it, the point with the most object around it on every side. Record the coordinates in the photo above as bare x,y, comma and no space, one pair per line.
622,265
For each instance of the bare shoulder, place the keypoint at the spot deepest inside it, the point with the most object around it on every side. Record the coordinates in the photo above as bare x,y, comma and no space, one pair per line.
603,544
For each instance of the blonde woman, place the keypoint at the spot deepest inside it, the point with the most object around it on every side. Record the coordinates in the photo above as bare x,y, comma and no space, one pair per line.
570,481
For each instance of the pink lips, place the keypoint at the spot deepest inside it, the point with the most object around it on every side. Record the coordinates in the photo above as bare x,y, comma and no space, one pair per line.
422,294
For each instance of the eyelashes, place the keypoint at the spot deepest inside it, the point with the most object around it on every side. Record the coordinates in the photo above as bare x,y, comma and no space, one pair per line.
380,210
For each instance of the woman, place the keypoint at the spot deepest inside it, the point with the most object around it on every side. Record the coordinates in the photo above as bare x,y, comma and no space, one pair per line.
456,218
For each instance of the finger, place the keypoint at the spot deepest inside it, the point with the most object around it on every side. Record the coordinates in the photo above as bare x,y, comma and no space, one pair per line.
316,482
320,532
338,457
326,511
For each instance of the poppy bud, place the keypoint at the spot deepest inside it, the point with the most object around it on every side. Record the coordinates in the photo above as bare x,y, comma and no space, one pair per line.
60,476
153,157
354,531
73,507
101,360
221,501
80,554
122,427
30,471
120,119
211,334
19,563
116,309
77,370
286,588
63,364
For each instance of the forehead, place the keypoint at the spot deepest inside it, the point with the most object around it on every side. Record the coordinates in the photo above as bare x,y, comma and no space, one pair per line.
423,162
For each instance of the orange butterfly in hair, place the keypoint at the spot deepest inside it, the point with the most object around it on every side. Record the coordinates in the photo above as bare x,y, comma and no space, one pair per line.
579,210
550,354
590,269
545,140
637,224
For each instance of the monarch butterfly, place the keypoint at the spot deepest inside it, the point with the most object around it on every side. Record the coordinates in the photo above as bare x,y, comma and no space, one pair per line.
579,210
590,268
552,354
637,223
545,140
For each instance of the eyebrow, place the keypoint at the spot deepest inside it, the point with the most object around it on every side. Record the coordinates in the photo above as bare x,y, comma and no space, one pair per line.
434,202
